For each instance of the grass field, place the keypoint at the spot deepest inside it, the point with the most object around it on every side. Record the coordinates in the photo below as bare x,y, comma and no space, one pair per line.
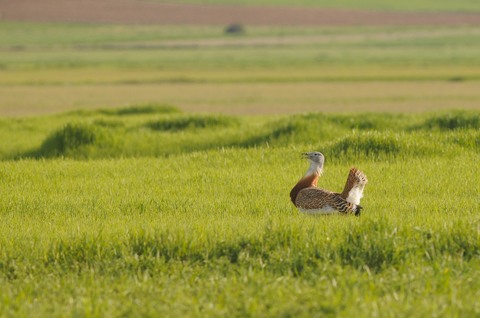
176,214
131,186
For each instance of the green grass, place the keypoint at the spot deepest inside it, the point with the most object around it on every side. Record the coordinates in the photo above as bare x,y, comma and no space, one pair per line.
158,130
197,221
145,210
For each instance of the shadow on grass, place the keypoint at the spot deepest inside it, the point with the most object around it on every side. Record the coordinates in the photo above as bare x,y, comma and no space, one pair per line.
339,137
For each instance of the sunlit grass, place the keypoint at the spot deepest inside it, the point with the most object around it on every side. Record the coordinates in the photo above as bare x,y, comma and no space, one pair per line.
161,130
142,210
82,237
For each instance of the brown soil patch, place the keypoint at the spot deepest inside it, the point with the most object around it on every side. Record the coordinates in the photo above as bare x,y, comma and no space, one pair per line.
144,12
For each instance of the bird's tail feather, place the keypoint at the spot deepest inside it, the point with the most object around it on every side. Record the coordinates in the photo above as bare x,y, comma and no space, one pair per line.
353,190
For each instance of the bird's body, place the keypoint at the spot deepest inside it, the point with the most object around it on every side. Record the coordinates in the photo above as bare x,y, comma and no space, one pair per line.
310,199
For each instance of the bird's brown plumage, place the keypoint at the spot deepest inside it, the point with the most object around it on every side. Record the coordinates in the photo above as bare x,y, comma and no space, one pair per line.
313,198
306,196
306,182
355,178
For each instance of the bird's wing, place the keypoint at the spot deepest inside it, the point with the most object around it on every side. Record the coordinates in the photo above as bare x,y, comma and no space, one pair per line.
353,190
312,198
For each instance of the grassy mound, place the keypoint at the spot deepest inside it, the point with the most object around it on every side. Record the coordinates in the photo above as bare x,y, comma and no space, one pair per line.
369,121
372,145
467,139
191,122
74,139
322,128
452,121
296,129
133,110
372,245
142,110
339,136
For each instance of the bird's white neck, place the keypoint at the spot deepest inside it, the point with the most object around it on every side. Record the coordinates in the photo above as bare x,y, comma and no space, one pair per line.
309,180
315,169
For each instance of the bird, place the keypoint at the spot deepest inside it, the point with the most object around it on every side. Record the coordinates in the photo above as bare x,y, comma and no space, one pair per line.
310,199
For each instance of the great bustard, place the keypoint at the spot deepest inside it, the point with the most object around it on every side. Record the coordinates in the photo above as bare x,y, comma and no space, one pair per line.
309,199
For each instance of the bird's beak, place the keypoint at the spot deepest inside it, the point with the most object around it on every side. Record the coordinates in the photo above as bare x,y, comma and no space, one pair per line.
305,155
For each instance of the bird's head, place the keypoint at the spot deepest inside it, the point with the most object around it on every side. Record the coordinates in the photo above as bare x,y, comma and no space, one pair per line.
315,157
316,160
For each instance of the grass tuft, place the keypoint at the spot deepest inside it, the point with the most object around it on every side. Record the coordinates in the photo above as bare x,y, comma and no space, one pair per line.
372,144
296,129
142,110
372,245
74,139
191,122
452,121
340,137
